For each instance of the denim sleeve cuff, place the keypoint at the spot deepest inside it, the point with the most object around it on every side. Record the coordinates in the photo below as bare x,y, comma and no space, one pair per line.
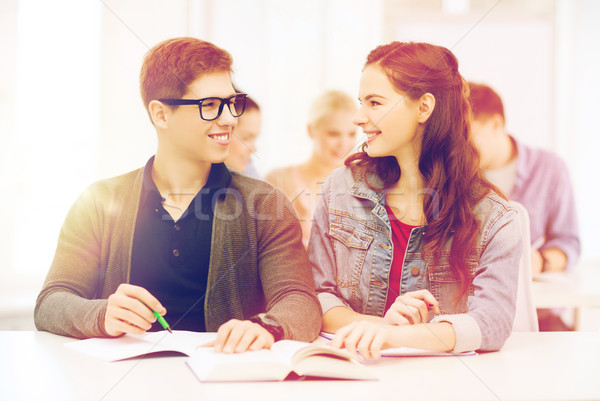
328,301
468,333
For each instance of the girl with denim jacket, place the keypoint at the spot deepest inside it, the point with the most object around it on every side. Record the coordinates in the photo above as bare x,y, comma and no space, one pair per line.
414,198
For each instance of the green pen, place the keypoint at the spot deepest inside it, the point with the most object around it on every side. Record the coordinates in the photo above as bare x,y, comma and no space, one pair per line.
160,319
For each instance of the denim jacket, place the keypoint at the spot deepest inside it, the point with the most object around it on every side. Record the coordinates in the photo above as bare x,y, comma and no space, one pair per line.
351,254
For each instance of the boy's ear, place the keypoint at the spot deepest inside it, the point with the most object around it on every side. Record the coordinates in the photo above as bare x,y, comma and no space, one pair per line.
158,111
426,105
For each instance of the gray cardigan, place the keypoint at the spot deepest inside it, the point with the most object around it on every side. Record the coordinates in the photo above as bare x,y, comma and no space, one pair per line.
257,262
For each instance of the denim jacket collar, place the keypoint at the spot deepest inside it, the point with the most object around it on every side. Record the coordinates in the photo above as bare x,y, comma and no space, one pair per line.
360,189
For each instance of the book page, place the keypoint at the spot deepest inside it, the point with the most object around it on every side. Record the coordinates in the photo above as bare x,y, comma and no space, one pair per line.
407,351
295,351
332,367
320,360
285,356
129,346
261,365
288,349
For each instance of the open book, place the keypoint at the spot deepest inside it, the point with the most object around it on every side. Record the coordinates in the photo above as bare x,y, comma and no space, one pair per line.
285,359
148,344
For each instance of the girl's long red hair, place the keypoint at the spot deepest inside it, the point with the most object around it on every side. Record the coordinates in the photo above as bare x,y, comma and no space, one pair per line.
449,161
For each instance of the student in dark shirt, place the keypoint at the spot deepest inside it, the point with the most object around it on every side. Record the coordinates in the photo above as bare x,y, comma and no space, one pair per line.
218,250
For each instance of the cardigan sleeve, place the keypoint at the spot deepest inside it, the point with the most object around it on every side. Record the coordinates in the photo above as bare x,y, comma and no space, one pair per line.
285,271
65,304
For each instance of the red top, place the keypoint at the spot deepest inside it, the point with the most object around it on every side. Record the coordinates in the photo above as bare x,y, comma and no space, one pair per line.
400,236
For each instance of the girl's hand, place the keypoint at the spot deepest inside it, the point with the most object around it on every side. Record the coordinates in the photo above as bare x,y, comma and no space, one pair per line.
412,308
366,337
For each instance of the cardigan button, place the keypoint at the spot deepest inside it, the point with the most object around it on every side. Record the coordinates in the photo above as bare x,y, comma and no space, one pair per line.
415,271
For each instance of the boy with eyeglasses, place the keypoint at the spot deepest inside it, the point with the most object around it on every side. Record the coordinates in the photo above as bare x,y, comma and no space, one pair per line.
219,251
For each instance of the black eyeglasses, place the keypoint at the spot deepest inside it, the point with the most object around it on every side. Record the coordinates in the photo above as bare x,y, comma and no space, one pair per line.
212,107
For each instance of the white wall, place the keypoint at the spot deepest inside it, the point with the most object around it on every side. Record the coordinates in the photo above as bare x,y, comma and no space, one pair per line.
47,140
286,54
129,29
508,48
8,72
581,131
542,58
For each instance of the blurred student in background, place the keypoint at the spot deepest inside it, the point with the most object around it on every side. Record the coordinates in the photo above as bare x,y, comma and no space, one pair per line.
333,133
411,228
243,141
536,178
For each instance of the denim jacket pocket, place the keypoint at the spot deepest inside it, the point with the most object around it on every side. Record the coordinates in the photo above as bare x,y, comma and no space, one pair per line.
350,246
446,286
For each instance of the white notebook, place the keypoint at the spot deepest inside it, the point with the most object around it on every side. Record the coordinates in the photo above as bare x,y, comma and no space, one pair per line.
148,344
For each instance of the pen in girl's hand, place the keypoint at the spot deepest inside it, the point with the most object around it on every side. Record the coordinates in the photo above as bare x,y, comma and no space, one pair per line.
433,308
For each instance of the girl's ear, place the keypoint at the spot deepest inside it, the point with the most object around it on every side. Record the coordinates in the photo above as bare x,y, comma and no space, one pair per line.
426,105
309,129
158,113
497,121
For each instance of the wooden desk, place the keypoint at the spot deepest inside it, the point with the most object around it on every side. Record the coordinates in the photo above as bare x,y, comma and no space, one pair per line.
531,366
576,289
